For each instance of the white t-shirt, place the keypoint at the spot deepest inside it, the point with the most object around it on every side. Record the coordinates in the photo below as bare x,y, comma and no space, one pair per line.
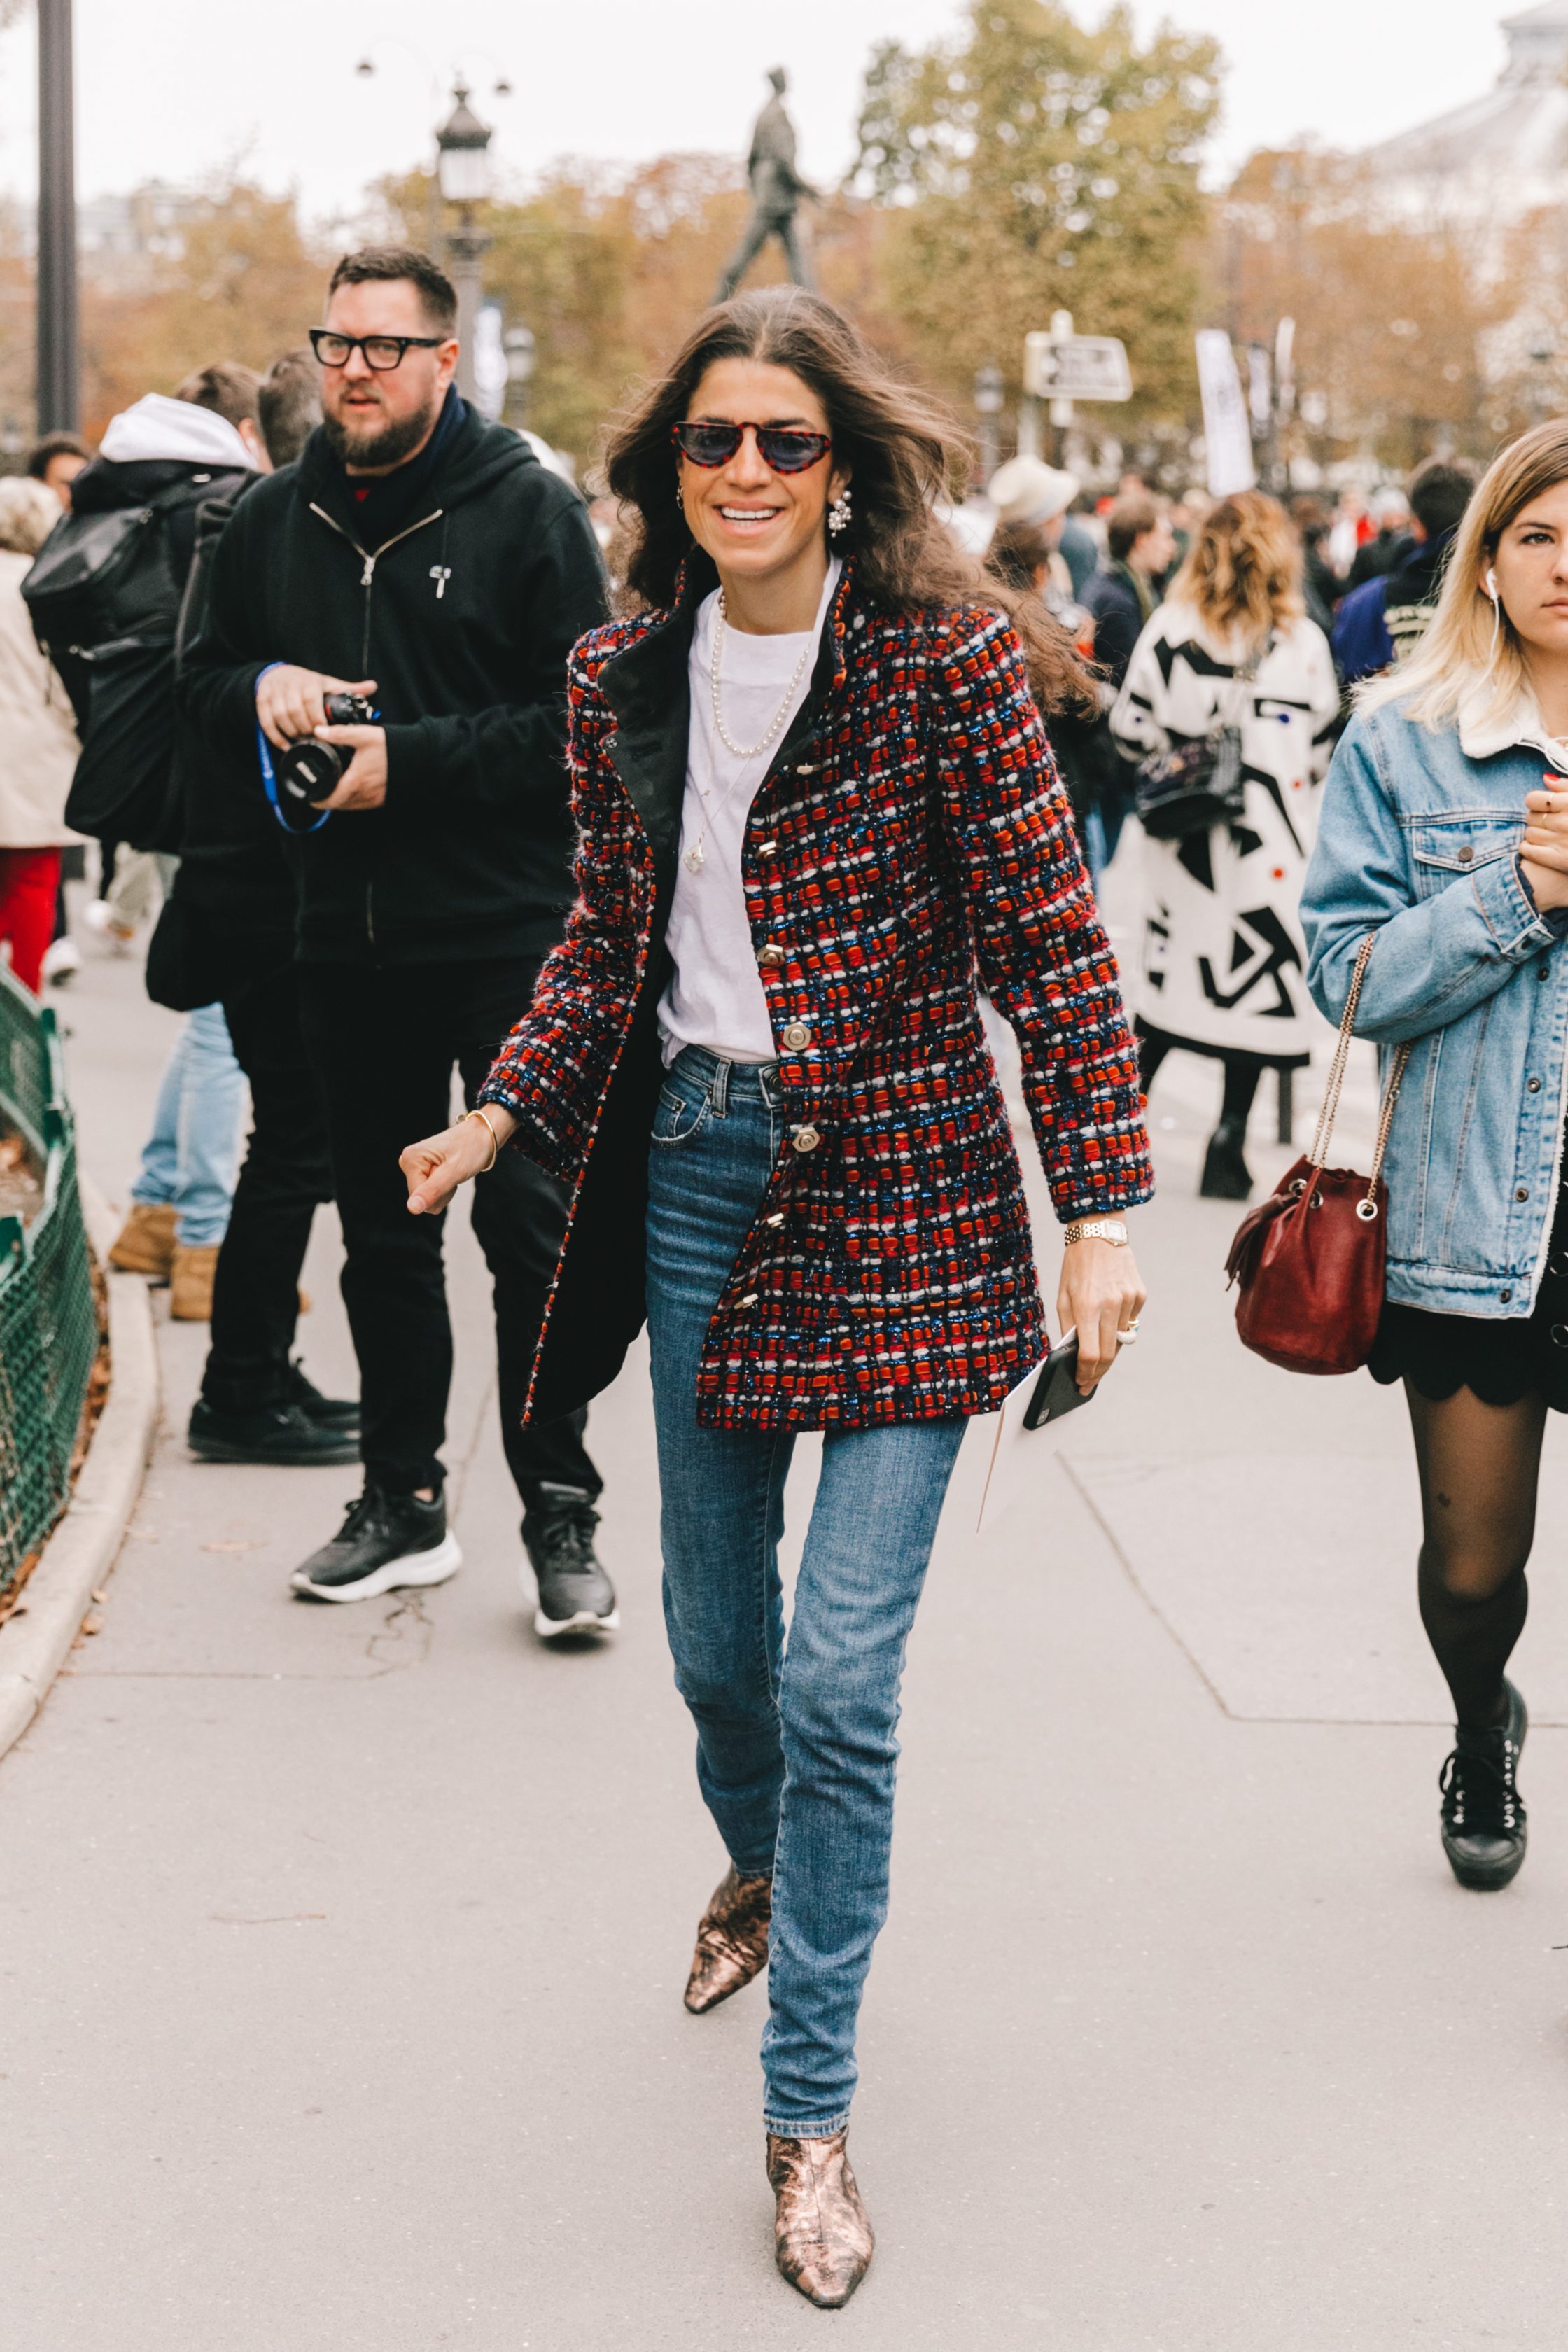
715,997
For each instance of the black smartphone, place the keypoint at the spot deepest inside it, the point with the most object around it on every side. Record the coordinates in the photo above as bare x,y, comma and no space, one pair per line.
1057,1391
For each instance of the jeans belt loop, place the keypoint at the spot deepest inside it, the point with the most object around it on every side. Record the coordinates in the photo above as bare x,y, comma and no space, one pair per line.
719,1090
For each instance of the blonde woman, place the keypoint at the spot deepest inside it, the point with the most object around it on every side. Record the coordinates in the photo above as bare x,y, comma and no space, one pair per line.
1220,964
1445,833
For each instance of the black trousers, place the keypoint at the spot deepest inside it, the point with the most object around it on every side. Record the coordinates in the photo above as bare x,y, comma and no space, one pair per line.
383,1041
286,1174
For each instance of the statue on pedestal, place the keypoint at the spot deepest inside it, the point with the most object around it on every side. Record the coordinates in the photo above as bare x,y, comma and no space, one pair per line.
776,191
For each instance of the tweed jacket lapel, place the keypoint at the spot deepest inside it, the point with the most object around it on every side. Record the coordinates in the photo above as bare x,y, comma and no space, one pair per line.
645,687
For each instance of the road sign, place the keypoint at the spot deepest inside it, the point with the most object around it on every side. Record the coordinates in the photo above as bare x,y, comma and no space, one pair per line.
1076,367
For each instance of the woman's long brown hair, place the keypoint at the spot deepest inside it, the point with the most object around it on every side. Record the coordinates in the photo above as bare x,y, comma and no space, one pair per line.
898,443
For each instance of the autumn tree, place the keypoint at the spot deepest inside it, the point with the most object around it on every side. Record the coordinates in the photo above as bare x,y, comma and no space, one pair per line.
1395,316
240,281
1029,164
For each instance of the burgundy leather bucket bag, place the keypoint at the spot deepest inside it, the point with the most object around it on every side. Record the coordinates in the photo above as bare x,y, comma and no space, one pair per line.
1310,1260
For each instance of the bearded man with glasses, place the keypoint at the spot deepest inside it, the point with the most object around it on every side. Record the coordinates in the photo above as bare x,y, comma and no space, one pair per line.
425,559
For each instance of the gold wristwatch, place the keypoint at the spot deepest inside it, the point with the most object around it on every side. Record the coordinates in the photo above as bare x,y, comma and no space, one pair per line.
1096,1229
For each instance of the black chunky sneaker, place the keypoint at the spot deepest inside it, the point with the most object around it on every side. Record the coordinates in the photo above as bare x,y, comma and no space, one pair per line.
282,1433
1483,1813
575,1596
331,1413
386,1542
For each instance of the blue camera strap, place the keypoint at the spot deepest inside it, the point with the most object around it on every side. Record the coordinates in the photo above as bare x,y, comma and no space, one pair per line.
269,775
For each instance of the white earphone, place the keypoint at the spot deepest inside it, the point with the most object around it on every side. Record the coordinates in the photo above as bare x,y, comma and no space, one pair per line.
1492,586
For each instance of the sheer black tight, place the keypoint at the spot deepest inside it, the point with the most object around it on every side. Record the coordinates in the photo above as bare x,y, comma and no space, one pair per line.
1479,1465
1242,1072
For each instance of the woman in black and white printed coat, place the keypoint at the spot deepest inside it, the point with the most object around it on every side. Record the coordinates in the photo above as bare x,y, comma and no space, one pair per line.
1220,964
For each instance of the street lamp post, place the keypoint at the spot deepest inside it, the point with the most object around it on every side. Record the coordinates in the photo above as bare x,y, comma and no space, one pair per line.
990,390
518,344
463,170
58,353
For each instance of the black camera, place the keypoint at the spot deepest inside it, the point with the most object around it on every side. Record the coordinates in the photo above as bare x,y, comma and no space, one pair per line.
307,772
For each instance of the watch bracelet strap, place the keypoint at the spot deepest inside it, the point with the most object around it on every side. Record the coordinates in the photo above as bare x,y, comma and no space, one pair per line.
1082,1229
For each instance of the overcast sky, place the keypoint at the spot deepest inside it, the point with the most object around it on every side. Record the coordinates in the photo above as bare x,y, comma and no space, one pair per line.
172,88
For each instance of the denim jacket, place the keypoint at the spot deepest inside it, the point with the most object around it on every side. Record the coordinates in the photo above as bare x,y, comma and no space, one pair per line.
1418,840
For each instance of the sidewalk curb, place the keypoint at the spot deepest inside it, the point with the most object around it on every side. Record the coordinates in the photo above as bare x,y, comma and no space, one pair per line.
82,1551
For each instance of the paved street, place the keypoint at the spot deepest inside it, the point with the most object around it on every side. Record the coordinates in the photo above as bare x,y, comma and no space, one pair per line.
343,1948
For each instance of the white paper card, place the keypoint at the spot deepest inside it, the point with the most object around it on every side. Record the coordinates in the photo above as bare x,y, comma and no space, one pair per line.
1019,1455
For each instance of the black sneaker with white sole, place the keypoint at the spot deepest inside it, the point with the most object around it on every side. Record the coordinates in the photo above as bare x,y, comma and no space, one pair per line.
386,1542
575,1596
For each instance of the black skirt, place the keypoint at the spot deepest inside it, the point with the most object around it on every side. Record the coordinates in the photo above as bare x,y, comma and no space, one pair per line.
1499,1361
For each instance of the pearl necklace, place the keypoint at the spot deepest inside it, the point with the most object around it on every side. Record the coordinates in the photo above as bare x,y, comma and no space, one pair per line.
737,751
696,857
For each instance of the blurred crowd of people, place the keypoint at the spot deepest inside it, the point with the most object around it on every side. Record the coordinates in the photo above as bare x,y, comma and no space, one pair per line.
1247,615
1170,598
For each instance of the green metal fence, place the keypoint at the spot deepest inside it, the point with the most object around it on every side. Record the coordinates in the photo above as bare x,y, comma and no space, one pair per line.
48,1319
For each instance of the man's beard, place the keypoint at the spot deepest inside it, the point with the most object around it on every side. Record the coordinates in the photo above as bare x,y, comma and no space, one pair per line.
377,446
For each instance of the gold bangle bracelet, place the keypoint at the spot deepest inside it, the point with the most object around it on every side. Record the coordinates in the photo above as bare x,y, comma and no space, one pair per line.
479,1112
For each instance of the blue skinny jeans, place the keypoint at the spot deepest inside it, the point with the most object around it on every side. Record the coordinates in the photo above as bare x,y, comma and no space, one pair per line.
796,1741
192,1157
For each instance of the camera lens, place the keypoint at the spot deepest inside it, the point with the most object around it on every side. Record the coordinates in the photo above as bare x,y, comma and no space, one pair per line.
306,773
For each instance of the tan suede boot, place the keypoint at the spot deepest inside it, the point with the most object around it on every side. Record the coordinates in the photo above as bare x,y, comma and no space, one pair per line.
146,1241
822,2241
732,1941
191,1282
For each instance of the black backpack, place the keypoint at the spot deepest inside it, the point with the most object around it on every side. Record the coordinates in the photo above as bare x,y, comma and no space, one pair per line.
104,598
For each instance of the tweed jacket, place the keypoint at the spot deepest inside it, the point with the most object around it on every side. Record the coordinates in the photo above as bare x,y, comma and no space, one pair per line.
911,830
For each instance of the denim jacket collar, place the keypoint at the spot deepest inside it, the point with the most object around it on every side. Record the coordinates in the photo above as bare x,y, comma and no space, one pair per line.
1484,733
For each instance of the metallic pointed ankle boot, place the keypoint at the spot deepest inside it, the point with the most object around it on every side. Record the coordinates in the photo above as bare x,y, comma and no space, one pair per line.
821,2238
732,1941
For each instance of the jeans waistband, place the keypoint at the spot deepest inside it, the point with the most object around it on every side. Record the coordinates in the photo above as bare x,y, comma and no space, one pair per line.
726,1082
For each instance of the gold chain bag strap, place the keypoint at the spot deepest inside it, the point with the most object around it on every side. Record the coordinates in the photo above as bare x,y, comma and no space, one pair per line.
1311,1260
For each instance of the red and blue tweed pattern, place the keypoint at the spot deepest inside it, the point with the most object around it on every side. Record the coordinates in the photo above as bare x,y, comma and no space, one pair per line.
921,834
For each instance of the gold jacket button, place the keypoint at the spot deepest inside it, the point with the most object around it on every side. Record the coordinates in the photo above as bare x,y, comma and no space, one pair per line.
797,1035
771,955
750,1300
767,849
776,1219
806,1138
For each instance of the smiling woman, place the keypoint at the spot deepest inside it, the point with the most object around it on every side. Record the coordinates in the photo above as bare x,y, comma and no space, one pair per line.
812,787
1444,837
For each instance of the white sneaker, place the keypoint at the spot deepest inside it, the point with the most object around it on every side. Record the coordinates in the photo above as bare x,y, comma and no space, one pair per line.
62,960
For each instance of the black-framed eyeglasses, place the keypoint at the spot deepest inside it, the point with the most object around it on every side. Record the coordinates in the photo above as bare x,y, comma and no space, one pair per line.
787,449
381,353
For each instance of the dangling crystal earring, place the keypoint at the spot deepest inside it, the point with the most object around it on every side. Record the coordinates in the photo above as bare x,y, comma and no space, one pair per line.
680,498
838,514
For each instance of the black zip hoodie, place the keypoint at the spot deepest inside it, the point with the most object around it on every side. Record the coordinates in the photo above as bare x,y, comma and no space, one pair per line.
464,614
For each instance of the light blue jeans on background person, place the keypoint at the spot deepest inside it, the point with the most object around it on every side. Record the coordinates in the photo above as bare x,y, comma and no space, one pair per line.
796,1746
191,1161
